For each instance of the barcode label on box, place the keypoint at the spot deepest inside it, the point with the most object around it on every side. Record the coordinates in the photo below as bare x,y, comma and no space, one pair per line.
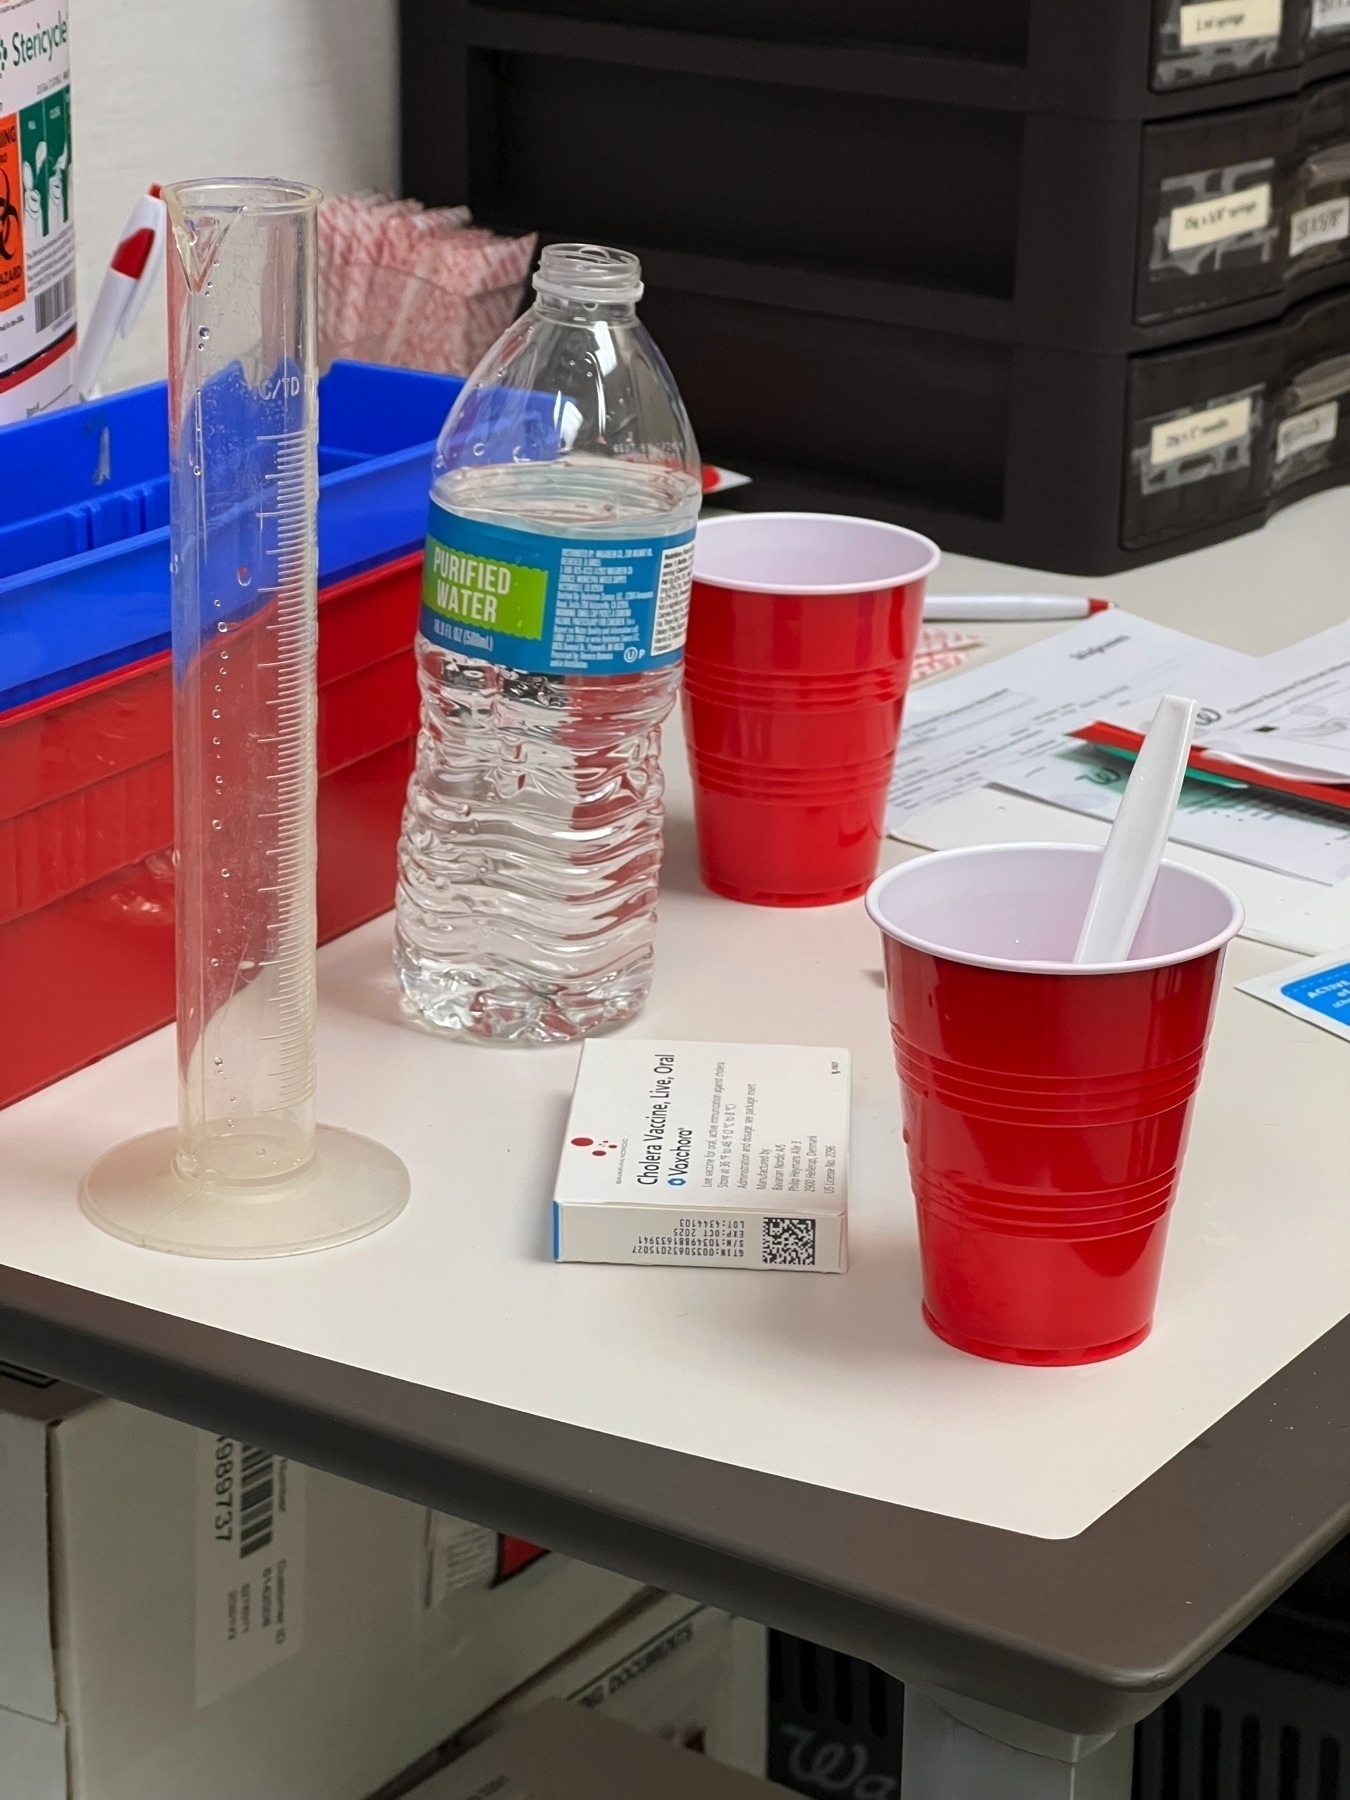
1222,216
1326,223
257,1499
1199,431
672,599
1306,430
54,302
250,1562
789,1244
1229,21
459,1556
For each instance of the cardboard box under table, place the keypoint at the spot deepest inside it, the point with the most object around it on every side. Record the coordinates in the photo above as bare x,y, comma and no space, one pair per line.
561,1752
187,1617
666,1665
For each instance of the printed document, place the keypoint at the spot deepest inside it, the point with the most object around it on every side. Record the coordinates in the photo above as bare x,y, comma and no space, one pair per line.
1289,711
986,726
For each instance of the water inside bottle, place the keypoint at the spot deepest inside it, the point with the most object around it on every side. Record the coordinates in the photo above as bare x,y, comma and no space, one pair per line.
532,840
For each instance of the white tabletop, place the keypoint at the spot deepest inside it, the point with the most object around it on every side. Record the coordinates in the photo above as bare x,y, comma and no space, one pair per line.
828,1379
1255,593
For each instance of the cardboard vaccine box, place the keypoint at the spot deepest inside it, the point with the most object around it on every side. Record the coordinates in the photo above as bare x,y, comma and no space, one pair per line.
706,1156
664,1665
561,1752
186,1617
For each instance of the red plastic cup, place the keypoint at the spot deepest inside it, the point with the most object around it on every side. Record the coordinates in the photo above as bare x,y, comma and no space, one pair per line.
1046,1103
802,628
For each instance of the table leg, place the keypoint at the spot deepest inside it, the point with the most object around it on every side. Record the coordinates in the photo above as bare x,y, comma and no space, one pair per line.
958,1749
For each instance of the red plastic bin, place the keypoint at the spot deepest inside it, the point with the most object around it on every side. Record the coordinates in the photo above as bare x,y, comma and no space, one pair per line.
86,829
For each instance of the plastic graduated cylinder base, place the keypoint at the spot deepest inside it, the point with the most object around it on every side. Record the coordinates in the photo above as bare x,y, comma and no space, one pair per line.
351,1188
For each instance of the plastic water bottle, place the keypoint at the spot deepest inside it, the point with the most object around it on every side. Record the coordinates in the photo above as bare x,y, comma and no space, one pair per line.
555,597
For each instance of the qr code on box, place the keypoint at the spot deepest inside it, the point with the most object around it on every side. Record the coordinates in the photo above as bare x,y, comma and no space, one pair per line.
789,1244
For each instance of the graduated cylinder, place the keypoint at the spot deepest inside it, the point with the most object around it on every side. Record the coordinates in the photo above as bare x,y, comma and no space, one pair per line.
244,484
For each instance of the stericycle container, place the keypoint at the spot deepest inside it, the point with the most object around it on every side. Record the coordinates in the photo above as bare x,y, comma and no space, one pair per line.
37,214
554,606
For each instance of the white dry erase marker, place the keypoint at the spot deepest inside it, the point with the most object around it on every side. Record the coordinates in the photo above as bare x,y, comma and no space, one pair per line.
135,263
1007,609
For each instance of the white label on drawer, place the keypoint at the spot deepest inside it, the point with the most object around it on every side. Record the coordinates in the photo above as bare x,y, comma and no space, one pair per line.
1326,223
1307,429
1223,216
250,1562
1331,15
1229,21
1176,438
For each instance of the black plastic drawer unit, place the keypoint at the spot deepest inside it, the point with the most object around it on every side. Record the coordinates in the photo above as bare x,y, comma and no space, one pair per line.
1058,459
1201,42
1238,205
1044,227
967,267
1128,59
1224,429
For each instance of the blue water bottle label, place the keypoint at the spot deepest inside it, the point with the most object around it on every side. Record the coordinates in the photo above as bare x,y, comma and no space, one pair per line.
555,605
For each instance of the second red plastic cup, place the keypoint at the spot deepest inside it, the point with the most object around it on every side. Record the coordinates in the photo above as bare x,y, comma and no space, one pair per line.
802,628
1046,1103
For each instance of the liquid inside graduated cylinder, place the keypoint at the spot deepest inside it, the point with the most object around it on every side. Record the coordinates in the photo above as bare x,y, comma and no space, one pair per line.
531,843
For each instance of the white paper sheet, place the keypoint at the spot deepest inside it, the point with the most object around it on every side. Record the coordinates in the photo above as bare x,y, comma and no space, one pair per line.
1289,711
1284,910
1241,823
985,725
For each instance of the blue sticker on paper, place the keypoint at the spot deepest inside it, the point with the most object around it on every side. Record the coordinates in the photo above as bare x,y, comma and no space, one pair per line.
1326,992
555,605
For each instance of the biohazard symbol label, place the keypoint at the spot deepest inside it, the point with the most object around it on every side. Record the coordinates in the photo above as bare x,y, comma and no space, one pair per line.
13,287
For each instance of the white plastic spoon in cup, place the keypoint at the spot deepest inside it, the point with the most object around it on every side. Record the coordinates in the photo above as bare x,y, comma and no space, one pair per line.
1129,864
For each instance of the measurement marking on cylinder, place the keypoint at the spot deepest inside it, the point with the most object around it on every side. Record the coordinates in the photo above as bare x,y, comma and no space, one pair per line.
282,699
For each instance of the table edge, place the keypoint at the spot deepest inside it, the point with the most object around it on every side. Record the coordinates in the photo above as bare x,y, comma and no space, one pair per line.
1087,1633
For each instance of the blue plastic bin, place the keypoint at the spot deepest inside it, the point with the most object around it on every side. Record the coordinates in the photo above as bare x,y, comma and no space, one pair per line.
84,543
